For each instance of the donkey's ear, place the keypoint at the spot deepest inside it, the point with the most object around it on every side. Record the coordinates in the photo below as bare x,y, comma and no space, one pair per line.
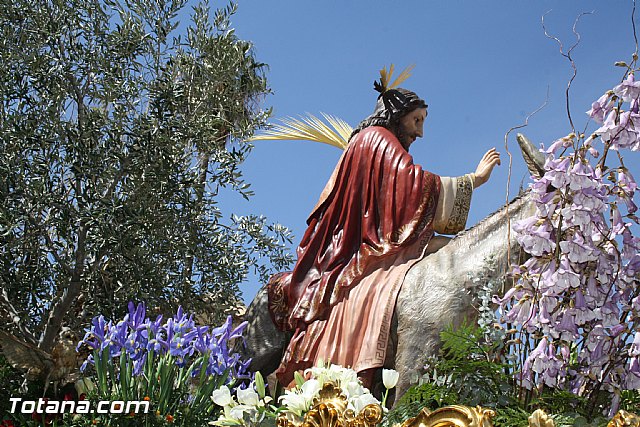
532,156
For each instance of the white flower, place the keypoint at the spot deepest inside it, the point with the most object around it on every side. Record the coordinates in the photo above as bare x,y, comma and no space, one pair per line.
390,378
237,412
311,388
295,402
230,417
359,403
248,397
222,396
299,401
353,389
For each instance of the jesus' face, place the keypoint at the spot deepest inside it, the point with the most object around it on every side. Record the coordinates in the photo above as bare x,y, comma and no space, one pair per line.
411,126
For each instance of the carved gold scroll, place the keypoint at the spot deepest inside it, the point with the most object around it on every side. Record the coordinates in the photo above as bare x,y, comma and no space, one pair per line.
464,416
330,410
626,419
452,416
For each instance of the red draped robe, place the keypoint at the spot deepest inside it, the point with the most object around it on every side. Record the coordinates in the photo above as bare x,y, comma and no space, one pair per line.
372,222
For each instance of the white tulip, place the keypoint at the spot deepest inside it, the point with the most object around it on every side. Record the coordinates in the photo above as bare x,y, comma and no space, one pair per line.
310,389
360,402
222,396
248,397
237,412
353,389
390,378
296,403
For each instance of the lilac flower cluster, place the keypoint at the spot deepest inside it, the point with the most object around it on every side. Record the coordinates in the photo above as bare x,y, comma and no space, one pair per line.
142,340
578,294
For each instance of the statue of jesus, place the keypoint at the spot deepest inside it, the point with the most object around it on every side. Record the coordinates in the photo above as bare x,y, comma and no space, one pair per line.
376,217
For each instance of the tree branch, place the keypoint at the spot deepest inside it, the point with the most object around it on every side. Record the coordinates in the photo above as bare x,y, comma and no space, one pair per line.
568,56
15,318
69,295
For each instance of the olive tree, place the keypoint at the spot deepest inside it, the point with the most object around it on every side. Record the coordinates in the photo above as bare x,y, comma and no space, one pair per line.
120,131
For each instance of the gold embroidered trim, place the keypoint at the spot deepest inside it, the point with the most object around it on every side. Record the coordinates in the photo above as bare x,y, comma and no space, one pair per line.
460,211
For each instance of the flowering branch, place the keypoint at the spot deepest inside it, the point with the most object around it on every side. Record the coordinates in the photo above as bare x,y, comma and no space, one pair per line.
576,300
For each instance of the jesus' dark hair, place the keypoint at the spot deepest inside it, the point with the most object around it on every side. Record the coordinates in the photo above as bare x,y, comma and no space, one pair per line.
391,106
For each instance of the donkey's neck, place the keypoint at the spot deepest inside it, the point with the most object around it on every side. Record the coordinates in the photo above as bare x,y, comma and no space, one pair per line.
492,237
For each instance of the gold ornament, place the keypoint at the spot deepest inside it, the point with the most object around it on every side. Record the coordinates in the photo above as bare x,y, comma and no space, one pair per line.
330,410
452,416
624,419
539,418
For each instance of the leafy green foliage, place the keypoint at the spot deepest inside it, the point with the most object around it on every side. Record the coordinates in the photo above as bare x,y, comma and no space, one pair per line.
118,140
473,369
466,372
10,379
630,400
511,417
473,366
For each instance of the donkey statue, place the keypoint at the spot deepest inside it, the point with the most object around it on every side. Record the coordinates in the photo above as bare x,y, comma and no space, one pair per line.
436,292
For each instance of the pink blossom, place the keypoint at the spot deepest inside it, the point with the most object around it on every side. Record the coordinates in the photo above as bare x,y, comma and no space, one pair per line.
522,313
608,314
543,361
601,108
594,337
581,312
577,250
544,317
579,297
633,268
535,237
620,131
589,200
575,215
557,171
628,90
558,143
581,176
630,243
626,182
616,219
563,279
568,327
633,379
616,330
538,356
505,299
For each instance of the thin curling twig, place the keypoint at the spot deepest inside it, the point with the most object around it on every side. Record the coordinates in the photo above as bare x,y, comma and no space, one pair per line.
568,56
635,34
506,147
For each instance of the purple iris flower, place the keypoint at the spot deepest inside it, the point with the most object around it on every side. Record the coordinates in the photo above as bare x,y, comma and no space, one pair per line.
86,363
136,316
138,365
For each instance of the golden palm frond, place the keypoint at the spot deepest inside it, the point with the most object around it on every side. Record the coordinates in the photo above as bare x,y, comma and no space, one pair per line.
385,77
335,132
404,75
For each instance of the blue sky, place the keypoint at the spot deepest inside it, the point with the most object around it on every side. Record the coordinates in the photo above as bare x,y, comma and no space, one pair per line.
482,66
